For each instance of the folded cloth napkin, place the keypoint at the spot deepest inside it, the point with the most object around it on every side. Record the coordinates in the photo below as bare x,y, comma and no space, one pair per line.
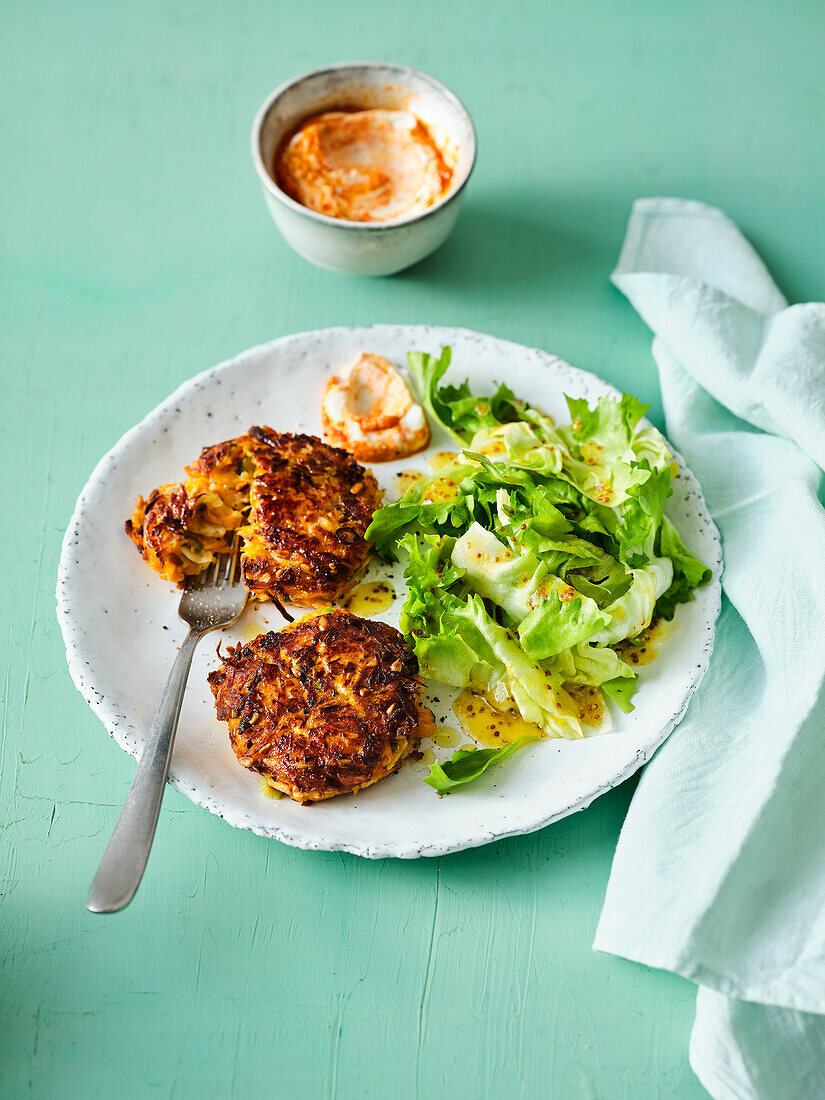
719,874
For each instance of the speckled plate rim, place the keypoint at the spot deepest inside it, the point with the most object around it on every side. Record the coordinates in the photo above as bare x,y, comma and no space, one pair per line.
109,716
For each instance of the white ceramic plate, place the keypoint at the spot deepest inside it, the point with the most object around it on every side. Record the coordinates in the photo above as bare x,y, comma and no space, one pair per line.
120,624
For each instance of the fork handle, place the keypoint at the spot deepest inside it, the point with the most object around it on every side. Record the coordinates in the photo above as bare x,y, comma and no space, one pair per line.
124,860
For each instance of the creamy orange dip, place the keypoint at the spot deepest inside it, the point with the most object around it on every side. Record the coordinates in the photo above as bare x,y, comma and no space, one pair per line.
363,166
370,412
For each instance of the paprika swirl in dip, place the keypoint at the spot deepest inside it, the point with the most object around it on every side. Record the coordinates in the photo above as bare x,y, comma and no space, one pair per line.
363,165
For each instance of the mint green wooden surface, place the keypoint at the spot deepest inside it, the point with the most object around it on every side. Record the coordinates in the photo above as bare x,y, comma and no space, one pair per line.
136,250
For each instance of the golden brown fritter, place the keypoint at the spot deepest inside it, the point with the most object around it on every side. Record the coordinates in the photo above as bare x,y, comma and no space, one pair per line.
323,707
310,506
301,507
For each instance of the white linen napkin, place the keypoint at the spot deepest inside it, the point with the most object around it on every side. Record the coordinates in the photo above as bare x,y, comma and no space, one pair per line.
719,874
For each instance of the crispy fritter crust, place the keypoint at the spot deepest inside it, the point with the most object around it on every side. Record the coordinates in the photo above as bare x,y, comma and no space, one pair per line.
301,506
325,706
310,507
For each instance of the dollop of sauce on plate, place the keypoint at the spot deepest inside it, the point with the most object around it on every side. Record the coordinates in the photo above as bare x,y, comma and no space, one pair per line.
250,631
446,738
490,727
441,490
369,598
644,648
363,166
441,459
493,728
267,791
405,479
370,412
586,703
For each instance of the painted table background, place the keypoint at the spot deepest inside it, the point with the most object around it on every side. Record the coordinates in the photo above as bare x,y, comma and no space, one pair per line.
136,251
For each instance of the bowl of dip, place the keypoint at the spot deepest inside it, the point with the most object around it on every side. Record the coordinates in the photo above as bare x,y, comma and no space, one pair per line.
363,165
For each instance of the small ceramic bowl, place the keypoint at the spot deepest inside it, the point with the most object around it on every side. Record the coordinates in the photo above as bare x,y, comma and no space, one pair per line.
364,248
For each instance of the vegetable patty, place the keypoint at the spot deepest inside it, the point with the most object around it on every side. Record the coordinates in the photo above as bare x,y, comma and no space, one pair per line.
325,706
301,506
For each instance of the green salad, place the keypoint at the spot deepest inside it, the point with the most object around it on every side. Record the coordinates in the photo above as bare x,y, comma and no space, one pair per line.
533,553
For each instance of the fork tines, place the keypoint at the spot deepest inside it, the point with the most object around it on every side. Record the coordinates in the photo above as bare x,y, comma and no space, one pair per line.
223,570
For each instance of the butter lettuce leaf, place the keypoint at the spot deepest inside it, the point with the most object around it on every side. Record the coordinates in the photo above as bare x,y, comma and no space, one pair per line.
632,525
621,691
610,423
591,664
688,571
599,666
563,619
466,765
458,642
550,616
633,612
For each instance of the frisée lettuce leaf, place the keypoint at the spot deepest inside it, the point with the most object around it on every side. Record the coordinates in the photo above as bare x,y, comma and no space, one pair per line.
454,407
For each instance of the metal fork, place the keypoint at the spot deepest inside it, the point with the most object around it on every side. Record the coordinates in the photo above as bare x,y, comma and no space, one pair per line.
210,600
